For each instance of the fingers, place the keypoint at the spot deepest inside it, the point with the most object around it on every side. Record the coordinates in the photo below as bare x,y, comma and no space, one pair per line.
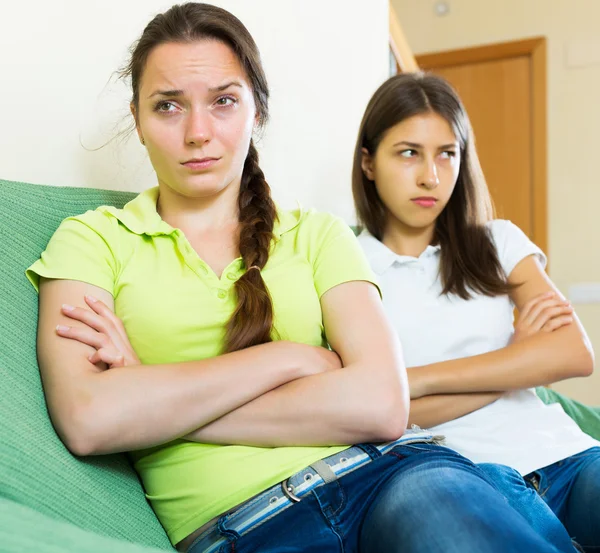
105,352
90,318
103,310
535,314
84,335
549,313
557,323
536,305
101,319
111,358
533,302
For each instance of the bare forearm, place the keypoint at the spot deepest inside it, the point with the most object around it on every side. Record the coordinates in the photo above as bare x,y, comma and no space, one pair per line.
537,361
140,406
339,407
430,411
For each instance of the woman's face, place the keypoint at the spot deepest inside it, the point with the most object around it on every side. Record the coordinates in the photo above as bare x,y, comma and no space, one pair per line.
415,169
196,115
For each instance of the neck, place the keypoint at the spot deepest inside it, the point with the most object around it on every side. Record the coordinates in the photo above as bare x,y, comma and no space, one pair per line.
405,240
199,214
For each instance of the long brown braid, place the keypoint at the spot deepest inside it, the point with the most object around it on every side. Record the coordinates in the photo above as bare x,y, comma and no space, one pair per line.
252,320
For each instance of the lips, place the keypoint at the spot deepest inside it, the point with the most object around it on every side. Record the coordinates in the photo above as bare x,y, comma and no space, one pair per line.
198,164
425,201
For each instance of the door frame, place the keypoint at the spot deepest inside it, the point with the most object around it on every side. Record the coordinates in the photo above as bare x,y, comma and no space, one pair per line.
535,50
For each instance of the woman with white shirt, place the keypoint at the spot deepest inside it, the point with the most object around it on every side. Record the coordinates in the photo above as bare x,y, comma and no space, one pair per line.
451,277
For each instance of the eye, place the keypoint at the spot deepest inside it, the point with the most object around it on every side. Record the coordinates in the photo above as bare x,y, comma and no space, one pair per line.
408,153
447,154
226,101
165,106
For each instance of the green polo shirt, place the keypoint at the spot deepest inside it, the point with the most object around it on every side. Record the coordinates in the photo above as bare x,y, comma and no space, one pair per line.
175,308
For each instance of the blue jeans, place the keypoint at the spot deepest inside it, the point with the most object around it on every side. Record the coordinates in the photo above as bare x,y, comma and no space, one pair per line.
418,498
569,488
525,499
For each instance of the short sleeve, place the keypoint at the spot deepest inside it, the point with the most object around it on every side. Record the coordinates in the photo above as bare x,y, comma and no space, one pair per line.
513,245
335,253
80,249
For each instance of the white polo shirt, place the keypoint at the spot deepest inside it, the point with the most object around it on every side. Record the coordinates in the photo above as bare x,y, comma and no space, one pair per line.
518,429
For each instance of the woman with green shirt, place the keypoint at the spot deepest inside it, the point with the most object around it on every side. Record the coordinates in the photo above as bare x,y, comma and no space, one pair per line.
192,327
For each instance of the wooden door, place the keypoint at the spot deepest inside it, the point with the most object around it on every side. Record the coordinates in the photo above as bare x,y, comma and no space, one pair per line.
504,91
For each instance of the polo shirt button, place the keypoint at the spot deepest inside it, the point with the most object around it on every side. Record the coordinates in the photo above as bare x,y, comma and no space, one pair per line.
222,294
231,276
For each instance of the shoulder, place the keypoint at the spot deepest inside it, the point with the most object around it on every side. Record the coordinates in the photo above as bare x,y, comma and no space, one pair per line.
311,223
321,220
500,228
84,248
318,234
328,243
505,233
93,223
512,244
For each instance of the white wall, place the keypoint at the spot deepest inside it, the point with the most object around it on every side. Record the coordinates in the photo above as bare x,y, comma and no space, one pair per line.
323,59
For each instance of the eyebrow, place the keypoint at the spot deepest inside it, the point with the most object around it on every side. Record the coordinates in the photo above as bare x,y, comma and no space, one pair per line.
415,145
225,86
175,93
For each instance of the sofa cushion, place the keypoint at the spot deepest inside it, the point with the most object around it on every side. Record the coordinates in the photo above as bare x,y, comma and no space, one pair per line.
23,529
101,494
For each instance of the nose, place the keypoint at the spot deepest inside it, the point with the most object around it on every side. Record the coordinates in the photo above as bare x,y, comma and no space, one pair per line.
430,178
198,128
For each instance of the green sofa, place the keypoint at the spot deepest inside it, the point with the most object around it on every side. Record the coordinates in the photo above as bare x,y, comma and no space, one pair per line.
51,501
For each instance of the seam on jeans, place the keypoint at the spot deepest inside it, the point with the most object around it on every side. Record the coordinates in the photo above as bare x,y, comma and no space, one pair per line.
399,455
342,502
334,529
328,514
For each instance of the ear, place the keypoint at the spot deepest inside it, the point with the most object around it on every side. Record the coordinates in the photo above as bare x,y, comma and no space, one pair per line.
257,123
367,164
137,123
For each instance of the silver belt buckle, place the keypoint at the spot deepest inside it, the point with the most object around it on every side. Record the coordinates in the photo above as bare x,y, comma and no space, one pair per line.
288,491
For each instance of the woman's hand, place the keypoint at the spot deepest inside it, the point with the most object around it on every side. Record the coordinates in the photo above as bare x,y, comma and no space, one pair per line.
309,360
544,313
318,359
105,332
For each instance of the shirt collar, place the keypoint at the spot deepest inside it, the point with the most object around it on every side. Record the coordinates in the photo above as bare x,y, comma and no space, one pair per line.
381,258
141,217
287,220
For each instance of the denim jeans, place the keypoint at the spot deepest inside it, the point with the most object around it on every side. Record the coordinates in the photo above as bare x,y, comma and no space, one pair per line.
571,488
526,500
418,498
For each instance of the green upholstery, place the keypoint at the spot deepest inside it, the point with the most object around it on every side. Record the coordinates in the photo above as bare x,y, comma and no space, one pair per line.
101,494
51,501
588,418
25,530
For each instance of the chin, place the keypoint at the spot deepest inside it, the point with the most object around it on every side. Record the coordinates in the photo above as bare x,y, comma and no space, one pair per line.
420,224
200,187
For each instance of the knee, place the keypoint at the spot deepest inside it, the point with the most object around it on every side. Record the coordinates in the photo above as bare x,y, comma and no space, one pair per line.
502,475
429,499
587,482
430,486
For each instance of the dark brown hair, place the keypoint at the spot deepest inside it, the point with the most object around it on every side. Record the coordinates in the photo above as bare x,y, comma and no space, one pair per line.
469,260
252,320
